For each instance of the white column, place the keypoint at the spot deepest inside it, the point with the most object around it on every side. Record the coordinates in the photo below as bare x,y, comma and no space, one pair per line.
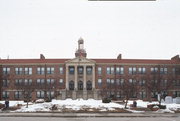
93,82
76,74
84,78
67,80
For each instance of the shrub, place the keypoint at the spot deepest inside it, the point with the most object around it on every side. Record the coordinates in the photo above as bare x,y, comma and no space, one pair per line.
151,106
106,100
2,105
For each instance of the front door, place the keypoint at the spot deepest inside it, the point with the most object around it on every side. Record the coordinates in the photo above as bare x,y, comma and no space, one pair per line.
80,85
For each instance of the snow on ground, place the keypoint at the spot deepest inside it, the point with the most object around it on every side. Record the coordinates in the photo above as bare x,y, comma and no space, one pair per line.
71,105
165,111
89,104
13,103
141,103
173,106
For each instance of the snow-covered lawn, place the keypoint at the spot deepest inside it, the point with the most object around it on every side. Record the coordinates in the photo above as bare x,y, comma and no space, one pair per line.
85,105
67,104
170,108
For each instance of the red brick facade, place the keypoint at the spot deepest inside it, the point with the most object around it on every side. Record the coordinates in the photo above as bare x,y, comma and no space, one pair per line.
109,82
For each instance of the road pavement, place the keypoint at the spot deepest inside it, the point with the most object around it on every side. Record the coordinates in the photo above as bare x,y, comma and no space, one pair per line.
90,119
74,115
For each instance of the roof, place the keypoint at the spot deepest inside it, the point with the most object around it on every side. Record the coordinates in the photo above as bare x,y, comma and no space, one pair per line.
14,61
128,61
138,61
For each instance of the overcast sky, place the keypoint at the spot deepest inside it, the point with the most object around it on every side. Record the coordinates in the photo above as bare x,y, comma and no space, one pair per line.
52,27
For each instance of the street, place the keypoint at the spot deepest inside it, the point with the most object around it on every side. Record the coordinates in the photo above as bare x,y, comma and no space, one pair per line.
90,119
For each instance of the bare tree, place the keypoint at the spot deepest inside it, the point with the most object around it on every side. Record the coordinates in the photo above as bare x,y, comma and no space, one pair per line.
129,90
159,83
27,88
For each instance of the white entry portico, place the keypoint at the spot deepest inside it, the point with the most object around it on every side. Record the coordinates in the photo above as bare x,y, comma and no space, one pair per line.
73,72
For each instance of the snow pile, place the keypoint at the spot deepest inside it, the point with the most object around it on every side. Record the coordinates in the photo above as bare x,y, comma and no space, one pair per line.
141,103
40,101
70,104
165,111
44,107
173,106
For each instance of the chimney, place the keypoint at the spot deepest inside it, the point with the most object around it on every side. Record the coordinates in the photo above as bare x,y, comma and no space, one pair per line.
119,56
175,58
42,56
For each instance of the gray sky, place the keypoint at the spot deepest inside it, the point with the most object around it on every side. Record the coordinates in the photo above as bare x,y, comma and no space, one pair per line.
53,27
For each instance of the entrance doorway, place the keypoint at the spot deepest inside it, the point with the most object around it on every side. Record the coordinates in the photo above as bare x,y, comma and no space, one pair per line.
80,85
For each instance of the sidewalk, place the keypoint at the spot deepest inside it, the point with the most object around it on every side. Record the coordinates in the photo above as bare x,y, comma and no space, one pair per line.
2,114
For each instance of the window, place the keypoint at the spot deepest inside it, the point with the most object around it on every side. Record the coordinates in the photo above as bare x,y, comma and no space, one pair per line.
89,70
119,70
71,70
28,82
177,70
50,81
40,81
80,70
163,83
40,70
99,82
117,81
142,94
122,81
132,70
154,70
112,81
154,94
176,82
80,85
71,85
5,83
19,71
89,85
5,94
163,70
27,95
176,94
173,71
133,94
50,70
61,81
40,94
120,94
141,70
142,82
108,81
61,70
132,81
99,70
154,82
6,70
28,71
110,70
50,94
18,94
18,82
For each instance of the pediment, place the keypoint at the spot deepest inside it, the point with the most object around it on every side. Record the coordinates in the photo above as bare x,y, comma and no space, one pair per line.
80,60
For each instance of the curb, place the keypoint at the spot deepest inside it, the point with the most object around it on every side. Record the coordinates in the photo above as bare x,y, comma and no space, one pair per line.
74,115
